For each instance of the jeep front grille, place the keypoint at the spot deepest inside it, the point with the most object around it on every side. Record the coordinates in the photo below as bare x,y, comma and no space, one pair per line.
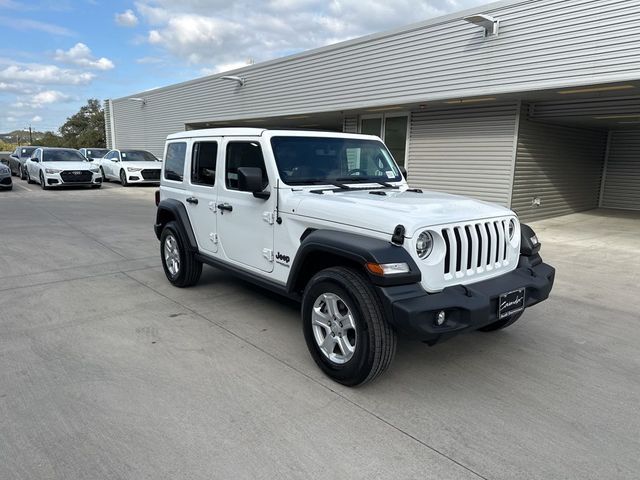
475,248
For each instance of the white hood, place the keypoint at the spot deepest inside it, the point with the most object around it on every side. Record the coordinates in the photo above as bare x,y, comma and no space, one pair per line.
143,165
68,165
411,209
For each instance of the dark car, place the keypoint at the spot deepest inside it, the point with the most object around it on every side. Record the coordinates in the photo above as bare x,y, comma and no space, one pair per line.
17,160
5,178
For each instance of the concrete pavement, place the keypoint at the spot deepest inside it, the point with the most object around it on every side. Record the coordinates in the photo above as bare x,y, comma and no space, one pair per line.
107,371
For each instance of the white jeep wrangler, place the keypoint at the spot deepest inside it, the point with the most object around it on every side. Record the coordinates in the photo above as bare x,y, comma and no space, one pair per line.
328,219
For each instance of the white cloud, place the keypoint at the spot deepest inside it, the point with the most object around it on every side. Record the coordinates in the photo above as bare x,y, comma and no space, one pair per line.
41,99
216,34
36,119
127,19
44,75
81,55
26,25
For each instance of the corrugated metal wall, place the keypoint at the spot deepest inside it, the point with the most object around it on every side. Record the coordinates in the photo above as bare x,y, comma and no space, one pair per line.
107,124
622,174
464,150
542,44
561,166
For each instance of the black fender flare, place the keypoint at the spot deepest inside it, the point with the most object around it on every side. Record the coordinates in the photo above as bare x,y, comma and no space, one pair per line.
176,209
354,248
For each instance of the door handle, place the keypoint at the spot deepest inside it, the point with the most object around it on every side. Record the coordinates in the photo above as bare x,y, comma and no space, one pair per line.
193,200
225,206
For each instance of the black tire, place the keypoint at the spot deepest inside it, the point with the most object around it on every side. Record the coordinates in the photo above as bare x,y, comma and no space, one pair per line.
375,340
29,178
123,179
95,186
22,175
43,183
500,324
189,269
104,177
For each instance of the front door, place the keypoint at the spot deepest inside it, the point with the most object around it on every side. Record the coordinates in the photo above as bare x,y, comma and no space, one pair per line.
201,202
245,223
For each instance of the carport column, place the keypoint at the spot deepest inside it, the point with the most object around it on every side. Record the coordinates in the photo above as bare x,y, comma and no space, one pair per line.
604,168
516,131
112,124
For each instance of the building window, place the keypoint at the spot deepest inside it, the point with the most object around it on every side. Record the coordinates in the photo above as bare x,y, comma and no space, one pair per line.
392,129
174,161
203,163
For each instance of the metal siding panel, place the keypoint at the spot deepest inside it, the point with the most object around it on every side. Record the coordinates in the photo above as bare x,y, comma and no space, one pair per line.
543,44
562,166
464,150
107,124
622,182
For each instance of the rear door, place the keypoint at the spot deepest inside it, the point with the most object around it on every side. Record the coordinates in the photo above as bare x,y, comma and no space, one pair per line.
201,202
245,223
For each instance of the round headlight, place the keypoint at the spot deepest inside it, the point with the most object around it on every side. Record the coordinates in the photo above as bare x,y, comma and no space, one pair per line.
424,244
512,228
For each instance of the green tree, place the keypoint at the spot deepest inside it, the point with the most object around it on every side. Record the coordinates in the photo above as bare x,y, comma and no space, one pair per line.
85,128
50,139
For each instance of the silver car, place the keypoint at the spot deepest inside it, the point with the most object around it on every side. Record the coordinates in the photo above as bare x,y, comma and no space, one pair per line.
5,177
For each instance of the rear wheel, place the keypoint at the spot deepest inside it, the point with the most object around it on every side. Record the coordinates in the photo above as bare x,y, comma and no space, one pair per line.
500,324
344,327
123,178
179,264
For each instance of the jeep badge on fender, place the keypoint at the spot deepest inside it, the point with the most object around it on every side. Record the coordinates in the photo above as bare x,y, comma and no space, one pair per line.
368,257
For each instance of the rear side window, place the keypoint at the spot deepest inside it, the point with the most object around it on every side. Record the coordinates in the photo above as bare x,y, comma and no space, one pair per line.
243,154
174,161
203,163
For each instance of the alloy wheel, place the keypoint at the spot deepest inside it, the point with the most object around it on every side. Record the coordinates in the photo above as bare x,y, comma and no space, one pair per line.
172,255
334,328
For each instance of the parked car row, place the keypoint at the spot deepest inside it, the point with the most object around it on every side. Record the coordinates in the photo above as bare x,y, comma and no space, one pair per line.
55,167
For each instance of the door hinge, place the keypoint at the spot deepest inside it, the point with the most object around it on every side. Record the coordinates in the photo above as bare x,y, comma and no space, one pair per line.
268,217
213,237
212,207
268,254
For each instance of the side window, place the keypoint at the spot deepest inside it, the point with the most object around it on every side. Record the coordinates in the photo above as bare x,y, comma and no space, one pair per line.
243,154
174,161
109,156
203,163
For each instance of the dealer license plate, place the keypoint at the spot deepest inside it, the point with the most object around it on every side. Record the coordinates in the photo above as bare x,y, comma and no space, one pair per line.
510,303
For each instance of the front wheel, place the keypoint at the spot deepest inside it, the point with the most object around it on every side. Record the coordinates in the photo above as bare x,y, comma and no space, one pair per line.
22,174
29,178
180,265
345,328
104,177
500,324
123,178
43,183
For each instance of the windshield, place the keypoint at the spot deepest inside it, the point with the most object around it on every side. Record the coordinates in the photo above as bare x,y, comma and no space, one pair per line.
137,156
97,152
62,156
318,160
26,152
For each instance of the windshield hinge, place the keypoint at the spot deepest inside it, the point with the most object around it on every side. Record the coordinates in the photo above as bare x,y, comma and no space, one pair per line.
214,238
268,254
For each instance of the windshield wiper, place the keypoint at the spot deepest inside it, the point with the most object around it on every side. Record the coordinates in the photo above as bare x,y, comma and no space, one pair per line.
366,180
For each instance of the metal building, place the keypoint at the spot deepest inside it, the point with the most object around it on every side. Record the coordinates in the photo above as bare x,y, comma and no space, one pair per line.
534,104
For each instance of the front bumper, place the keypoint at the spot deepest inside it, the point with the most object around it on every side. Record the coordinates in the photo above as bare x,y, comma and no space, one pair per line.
413,312
143,177
6,181
63,179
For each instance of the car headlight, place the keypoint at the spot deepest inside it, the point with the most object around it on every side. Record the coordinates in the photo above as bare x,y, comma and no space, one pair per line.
424,244
52,170
512,228
133,169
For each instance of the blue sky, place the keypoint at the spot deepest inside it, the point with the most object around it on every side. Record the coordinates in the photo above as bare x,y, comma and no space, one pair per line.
56,54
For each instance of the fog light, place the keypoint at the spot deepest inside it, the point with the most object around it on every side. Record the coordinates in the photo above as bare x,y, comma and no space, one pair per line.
441,317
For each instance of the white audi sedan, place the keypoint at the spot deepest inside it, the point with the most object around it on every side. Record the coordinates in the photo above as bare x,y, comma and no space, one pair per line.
130,166
57,167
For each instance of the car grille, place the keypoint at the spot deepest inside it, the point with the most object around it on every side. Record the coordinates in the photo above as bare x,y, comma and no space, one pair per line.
76,176
475,248
151,174
5,181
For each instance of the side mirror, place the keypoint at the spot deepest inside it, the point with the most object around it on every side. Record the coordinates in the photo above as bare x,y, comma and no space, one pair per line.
403,171
13,155
5,161
250,180
35,159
